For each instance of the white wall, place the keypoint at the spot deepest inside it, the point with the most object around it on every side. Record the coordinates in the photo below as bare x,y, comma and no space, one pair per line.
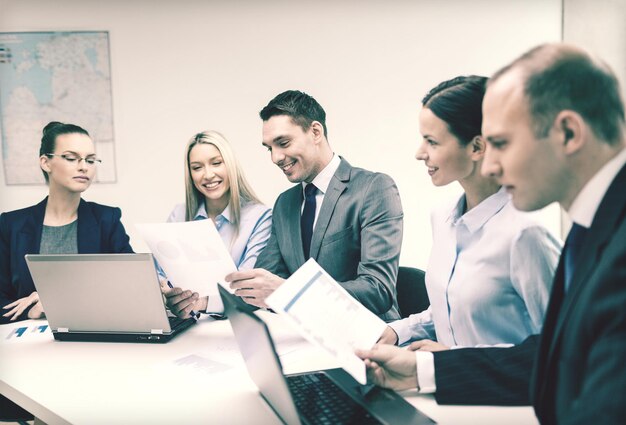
605,34
179,67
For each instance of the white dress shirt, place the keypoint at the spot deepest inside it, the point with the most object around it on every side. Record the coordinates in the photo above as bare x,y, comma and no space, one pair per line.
255,225
321,182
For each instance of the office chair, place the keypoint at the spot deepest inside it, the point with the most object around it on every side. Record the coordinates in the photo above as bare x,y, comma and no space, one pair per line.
411,288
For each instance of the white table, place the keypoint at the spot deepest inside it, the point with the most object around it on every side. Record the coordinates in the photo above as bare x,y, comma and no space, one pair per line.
111,383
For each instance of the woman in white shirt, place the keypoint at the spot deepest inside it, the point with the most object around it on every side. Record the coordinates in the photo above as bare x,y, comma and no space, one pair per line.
217,189
491,266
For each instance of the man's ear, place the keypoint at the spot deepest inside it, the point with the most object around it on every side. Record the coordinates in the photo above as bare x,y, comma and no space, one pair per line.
317,130
477,148
570,131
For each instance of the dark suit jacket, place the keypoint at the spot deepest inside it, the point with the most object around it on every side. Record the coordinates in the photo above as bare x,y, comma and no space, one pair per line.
357,236
579,374
99,230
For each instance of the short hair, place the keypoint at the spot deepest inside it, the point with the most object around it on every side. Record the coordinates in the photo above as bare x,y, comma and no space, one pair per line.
301,107
241,192
53,130
458,102
563,77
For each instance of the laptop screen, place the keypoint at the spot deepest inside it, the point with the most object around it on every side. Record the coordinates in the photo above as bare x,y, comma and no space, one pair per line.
99,292
259,353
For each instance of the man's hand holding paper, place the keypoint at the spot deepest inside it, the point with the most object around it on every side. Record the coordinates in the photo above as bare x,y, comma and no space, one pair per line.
328,316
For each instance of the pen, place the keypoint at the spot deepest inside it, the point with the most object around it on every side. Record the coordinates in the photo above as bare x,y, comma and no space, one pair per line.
192,313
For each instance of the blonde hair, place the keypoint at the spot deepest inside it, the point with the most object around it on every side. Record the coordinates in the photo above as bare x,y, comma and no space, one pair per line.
241,192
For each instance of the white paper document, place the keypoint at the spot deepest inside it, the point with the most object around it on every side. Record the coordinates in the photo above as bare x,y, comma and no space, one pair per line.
328,316
191,253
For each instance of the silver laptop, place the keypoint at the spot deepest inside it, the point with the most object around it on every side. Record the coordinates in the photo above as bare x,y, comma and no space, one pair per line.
103,297
320,397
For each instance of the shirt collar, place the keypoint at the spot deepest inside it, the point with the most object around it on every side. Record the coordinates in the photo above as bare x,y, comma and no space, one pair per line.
201,214
586,203
322,180
476,218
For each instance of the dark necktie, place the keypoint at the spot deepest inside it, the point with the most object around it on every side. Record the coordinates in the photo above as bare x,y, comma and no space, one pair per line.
573,245
308,217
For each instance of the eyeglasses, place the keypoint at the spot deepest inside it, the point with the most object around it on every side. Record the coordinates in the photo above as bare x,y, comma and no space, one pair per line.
72,158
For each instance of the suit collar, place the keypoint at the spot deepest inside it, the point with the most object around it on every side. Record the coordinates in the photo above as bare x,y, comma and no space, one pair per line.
610,213
587,202
293,205
323,179
33,226
88,232
343,171
336,187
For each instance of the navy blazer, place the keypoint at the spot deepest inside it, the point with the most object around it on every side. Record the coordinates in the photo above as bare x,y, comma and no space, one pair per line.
99,231
580,375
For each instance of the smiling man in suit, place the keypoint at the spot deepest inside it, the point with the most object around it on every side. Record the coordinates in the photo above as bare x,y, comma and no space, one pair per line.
554,124
348,219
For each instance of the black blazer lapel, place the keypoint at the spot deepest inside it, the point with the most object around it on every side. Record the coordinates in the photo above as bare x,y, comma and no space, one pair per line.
610,213
30,234
336,187
88,231
540,380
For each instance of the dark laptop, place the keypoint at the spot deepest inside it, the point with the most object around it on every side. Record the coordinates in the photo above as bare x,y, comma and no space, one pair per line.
321,397
103,297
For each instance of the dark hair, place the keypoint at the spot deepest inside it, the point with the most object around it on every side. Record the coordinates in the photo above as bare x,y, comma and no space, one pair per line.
53,130
302,108
561,77
458,102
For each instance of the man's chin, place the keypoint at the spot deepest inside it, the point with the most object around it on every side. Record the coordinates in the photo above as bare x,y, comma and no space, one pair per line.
293,178
527,205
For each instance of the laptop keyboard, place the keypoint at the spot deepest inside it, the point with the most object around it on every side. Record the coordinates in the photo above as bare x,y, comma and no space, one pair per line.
321,401
177,322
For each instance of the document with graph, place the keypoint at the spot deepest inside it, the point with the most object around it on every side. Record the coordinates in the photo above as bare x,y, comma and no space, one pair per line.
328,316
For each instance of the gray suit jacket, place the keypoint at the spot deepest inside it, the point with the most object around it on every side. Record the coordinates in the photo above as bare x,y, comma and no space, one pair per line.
357,236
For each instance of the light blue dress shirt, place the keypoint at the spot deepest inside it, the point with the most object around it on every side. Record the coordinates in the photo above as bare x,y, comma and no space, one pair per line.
488,278
255,225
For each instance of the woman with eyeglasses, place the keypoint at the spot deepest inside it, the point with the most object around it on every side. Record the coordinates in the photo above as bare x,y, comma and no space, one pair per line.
63,223
216,189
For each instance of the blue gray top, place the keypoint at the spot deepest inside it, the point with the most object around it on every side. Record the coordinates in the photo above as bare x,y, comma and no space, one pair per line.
59,239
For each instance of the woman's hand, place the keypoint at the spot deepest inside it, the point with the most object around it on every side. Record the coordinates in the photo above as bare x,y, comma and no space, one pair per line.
427,345
18,307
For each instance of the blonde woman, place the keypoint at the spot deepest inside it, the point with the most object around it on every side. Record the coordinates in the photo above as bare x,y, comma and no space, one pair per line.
217,189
